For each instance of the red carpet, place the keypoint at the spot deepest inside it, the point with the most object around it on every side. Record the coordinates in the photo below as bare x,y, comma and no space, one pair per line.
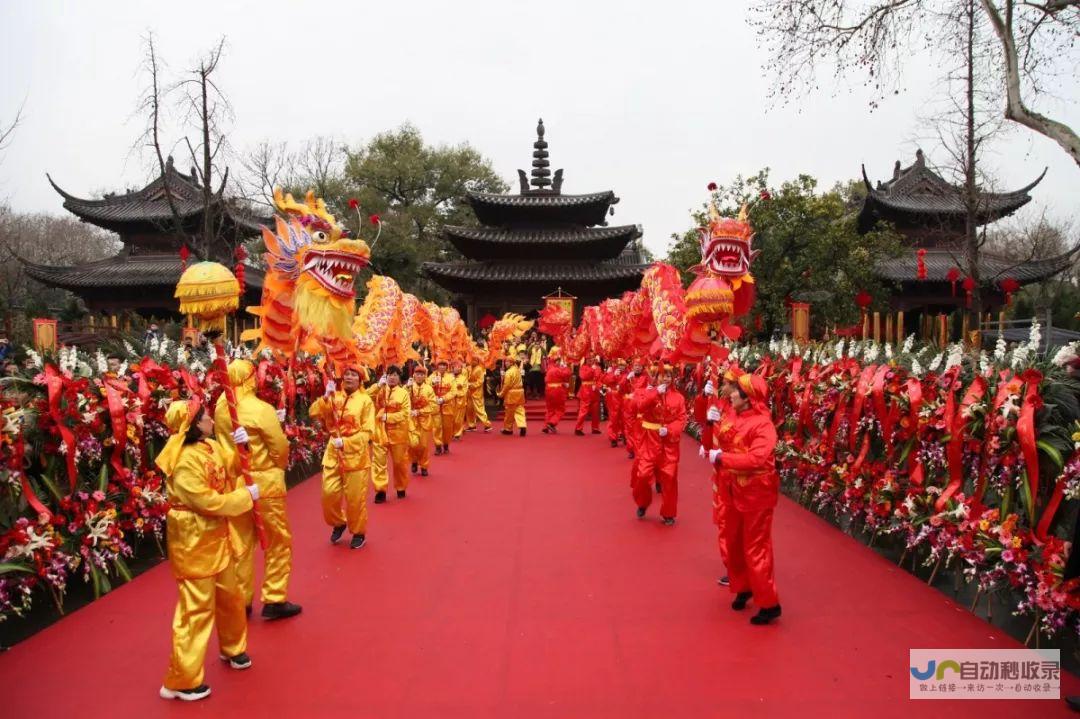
516,582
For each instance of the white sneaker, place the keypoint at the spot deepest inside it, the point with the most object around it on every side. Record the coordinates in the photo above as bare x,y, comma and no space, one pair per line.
240,661
185,695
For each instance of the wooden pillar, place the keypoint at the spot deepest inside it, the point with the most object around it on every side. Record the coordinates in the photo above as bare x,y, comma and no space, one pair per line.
1001,323
900,327
964,327
877,326
865,325
800,321
889,327
943,330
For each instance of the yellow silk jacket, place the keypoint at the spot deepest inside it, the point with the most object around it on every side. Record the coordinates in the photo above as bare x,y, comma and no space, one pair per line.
447,389
512,391
395,404
268,447
476,380
422,401
352,418
203,496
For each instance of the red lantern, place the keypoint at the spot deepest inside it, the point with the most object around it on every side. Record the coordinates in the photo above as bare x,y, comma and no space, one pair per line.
863,299
185,253
921,254
969,287
953,277
241,255
1009,286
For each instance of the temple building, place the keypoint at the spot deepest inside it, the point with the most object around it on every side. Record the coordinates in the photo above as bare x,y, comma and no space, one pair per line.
930,214
536,243
143,276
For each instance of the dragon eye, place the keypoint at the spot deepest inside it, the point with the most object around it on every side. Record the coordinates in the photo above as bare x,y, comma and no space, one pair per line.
319,236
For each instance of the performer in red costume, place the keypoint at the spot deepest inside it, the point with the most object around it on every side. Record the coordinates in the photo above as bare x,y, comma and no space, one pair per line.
717,423
634,380
613,399
663,417
589,396
556,385
750,485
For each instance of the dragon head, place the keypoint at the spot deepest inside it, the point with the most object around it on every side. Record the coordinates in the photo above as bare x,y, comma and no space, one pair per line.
315,254
726,245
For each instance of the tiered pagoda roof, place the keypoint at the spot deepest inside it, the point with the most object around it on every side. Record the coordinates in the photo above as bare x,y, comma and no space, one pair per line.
931,213
918,197
540,240
144,274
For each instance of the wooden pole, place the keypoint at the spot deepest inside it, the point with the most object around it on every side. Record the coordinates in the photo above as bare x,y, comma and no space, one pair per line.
900,327
877,326
1001,323
889,327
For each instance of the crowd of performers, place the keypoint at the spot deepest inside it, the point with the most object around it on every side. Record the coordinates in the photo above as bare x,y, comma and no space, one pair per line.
384,427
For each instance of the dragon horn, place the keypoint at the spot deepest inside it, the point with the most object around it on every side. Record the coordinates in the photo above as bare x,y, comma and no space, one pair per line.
714,214
287,204
744,212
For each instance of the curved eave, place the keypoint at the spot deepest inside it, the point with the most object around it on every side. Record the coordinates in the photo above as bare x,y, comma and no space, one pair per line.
503,210
992,269
148,271
468,277
594,243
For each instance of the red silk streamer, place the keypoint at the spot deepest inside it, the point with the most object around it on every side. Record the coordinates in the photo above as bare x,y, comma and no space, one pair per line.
1025,429
957,436
861,388
118,418
881,406
1055,501
863,451
242,449
916,472
829,441
54,383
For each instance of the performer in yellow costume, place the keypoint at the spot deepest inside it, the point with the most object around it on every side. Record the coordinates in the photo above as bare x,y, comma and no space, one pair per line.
392,409
461,396
269,452
513,397
474,403
443,383
202,548
350,417
424,409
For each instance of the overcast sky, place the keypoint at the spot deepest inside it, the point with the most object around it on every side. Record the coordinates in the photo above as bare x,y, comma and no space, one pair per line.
652,102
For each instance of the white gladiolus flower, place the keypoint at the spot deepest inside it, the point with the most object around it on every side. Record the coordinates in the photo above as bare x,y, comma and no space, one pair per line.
936,362
908,344
34,357
130,350
1065,355
840,348
102,364
1035,336
916,368
956,356
999,349
871,353
888,352
1020,356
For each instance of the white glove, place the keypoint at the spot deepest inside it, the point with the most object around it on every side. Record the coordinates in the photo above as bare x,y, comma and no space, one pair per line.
435,380
439,400
414,413
382,380
709,390
331,387
662,431
662,388
701,451
280,415
337,442
630,374
618,371
409,383
253,490
649,386
240,436
385,416
714,454
713,415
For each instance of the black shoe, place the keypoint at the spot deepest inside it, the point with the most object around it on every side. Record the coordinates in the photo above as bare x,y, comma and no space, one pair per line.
546,429
380,497
522,431
438,450
764,616
669,521
446,449
240,661
553,429
185,695
658,488
336,534
401,494
414,467
596,431
740,600
614,443
357,541
423,472
579,433
280,610
1073,703
507,431
641,513
629,455
247,610
724,581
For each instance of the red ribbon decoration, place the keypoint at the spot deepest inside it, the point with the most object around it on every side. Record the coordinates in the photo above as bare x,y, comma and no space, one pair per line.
1055,501
1025,428
957,436
916,471
54,383
118,418
28,491
861,388
921,255
880,404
